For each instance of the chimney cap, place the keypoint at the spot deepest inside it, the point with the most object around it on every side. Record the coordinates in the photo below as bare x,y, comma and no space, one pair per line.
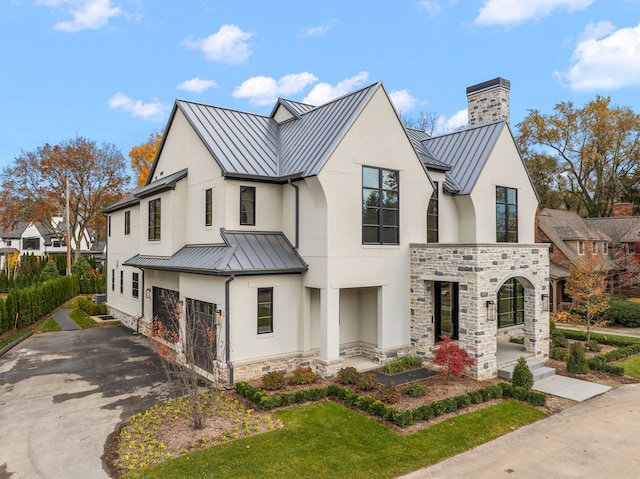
496,82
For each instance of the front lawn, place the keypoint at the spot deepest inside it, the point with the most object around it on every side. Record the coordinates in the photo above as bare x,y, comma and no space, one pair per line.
631,366
48,325
330,440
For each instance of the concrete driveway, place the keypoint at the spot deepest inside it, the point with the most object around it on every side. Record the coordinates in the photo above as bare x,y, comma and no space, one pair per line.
596,438
63,393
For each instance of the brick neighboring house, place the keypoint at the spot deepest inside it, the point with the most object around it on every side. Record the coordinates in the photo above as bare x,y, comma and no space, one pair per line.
331,235
569,236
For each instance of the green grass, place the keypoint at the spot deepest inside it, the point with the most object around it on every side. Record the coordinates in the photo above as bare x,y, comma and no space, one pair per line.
82,319
48,325
331,441
631,366
13,337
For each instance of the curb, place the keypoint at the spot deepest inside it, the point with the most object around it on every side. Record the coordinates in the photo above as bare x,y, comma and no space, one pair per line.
8,347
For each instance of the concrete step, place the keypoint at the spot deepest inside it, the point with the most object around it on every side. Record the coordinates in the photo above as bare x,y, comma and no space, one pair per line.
537,368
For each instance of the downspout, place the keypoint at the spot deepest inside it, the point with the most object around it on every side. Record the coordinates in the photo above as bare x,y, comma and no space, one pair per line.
144,299
227,332
297,213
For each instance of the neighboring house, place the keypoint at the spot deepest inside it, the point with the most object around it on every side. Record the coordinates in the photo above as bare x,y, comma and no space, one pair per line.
569,236
328,235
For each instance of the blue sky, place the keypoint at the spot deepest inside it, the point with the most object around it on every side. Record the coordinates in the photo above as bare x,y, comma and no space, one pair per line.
110,70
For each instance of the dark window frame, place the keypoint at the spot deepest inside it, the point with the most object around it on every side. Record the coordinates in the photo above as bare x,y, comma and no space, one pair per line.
121,282
127,223
155,220
31,244
113,280
265,319
380,217
208,207
510,304
135,285
507,219
247,205
433,216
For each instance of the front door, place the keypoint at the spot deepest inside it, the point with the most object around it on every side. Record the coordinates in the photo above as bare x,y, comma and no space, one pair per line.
445,295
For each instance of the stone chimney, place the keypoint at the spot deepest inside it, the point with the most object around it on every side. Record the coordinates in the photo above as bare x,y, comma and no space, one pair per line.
488,101
622,209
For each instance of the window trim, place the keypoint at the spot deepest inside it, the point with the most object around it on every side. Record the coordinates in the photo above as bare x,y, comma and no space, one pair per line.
113,280
208,207
135,285
581,247
248,221
127,222
154,232
381,227
121,282
435,202
269,327
505,235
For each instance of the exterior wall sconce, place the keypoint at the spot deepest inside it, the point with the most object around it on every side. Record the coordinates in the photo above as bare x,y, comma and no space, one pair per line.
545,302
181,302
147,293
491,310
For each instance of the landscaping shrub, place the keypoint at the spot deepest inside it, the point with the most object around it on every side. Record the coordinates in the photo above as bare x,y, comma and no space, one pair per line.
516,340
559,354
89,307
402,364
348,375
304,376
522,375
273,380
592,345
577,361
416,390
367,382
624,312
451,358
559,339
389,394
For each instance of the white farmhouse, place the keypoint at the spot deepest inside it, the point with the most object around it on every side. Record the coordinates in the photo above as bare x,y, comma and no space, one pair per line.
331,236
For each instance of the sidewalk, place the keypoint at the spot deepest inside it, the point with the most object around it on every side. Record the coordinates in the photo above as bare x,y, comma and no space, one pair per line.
64,321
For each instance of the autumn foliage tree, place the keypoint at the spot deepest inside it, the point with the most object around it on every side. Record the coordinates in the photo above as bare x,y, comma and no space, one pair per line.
451,358
587,287
142,157
34,187
586,159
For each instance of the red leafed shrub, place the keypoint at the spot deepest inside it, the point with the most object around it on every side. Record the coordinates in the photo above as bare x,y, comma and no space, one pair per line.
451,358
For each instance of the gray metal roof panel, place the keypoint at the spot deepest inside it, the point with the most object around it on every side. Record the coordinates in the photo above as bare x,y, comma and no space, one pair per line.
164,183
122,204
295,107
417,138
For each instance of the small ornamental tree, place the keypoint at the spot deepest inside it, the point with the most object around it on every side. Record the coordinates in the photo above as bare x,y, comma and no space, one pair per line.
522,375
451,358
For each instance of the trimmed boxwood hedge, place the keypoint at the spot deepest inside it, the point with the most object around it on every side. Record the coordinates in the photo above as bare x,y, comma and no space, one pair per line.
375,407
91,308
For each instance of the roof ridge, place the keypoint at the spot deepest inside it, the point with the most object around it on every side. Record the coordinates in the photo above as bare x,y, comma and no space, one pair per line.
217,107
342,97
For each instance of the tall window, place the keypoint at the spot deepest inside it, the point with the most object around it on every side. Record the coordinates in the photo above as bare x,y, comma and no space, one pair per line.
121,282
580,246
432,216
154,220
135,285
510,304
127,223
265,310
113,280
506,215
208,207
248,205
380,206
109,226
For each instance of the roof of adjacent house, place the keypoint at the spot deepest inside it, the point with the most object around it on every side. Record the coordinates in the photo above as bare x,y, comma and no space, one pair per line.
621,229
243,253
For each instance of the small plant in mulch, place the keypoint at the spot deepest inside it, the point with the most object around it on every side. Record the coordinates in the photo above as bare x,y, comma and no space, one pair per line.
559,354
415,390
592,345
405,363
451,358
367,382
577,362
348,375
522,375
559,339
389,394
304,376
272,381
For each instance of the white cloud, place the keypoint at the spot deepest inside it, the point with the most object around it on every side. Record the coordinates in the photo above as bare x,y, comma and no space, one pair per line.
402,100
513,12
324,92
154,110
262,90
197,85
228,45
605,58
458,120
319,31
431,7
86,14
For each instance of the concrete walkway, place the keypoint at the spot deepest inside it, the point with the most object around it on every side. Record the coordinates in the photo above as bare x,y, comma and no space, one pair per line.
569,388
64,321
595,438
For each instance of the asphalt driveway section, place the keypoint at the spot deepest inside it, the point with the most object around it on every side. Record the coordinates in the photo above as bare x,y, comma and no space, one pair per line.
63,393
594,438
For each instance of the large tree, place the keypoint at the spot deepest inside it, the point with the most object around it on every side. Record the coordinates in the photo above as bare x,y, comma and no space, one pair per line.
34,187
583,159
142,157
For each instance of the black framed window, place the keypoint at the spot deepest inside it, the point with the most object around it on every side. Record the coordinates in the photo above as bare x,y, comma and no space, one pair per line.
127,223
154,220
432,216
208,207
121,282
113,280
265,310
380,206
31,243
109,226
506,215
248,205
510,303
135,285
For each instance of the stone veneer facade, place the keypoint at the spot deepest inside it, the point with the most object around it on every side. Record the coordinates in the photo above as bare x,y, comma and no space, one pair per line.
480,271
488,101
